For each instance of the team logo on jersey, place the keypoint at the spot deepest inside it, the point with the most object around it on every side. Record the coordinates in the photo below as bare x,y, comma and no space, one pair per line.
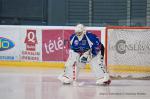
83,42
76,42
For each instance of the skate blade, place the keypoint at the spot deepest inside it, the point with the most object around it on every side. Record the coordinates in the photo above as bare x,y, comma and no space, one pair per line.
107,82
104,83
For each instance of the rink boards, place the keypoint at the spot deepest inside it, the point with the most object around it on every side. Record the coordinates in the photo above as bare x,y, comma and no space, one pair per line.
38,46
47,47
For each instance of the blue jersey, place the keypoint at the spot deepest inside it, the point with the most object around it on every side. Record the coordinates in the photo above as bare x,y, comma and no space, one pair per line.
89,41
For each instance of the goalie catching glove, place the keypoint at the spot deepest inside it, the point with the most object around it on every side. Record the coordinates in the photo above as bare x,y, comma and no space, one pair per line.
84,58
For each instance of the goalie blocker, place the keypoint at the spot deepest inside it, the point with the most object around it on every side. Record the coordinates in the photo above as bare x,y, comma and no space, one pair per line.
85,47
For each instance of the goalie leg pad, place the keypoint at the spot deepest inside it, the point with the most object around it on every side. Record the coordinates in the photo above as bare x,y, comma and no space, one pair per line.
99,70
97,66
72,59
77,68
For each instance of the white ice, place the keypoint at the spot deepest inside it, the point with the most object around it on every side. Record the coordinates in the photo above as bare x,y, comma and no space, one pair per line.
27,83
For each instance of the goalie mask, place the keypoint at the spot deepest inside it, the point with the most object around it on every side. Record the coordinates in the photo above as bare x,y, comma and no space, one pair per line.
80,30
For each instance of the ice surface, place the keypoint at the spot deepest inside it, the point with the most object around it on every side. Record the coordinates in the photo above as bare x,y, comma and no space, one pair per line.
25,83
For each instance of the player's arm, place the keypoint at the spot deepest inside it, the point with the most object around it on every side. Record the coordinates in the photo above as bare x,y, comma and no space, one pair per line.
97,45
72,47
94,44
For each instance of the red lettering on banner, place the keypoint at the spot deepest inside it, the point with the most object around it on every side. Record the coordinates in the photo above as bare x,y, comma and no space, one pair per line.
30,52
31,40
33,58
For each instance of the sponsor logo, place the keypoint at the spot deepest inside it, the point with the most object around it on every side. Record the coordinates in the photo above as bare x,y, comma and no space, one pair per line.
121,46
7,57
139,46
30,53
6,44
54,45
31,40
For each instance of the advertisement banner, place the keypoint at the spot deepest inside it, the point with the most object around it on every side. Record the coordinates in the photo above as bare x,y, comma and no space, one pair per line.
52,45
55,43
129,47
30,44
9,43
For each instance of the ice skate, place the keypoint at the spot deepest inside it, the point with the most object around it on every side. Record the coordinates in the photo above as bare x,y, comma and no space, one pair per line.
104,81
65,79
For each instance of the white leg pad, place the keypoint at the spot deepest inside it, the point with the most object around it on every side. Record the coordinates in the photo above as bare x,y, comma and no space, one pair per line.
72,59
98,67
99,70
